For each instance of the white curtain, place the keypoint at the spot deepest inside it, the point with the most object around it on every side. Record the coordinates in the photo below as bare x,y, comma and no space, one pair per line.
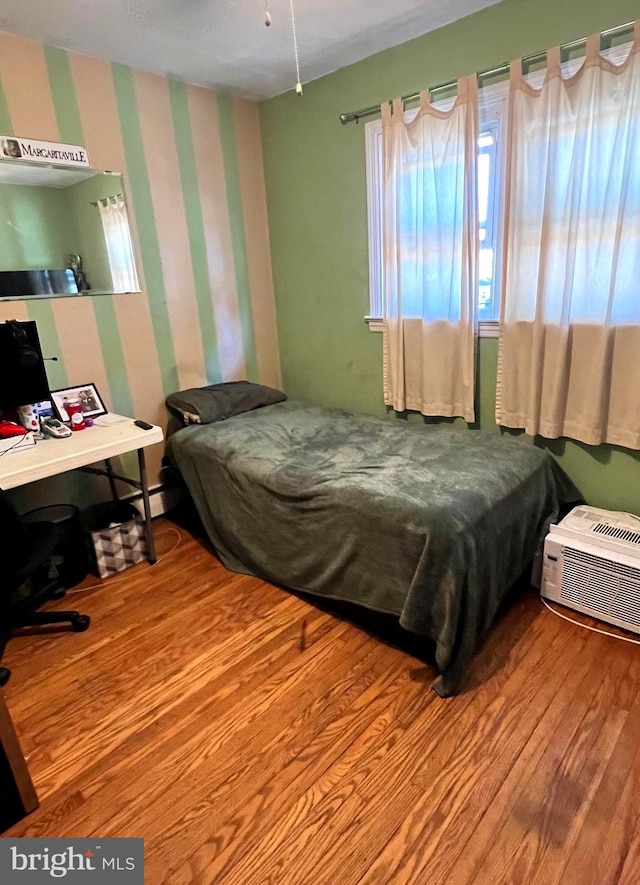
115,223
430,237
569,357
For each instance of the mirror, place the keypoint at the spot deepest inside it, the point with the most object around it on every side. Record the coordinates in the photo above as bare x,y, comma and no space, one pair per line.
63,231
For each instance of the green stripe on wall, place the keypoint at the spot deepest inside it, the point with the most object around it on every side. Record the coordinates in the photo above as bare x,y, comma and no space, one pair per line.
146,223
5,119
236,221
70,127
195,226
40,310
63,94
113,353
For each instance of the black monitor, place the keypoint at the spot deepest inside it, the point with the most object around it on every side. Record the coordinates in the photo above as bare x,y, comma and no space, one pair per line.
23,379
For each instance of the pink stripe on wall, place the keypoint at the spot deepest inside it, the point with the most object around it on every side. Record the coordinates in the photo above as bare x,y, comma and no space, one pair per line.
209,162
80,342
254,207
156,124
101,125
26,84
13,310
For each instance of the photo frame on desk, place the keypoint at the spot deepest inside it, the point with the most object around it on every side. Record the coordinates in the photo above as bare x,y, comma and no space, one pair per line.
90,399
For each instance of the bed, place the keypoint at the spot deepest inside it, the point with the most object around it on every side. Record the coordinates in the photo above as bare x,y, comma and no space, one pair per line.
429,524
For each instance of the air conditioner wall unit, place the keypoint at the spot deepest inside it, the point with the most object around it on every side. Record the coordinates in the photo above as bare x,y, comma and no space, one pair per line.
591,563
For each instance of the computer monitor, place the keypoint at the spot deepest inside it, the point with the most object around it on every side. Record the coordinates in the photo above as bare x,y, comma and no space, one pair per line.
23,379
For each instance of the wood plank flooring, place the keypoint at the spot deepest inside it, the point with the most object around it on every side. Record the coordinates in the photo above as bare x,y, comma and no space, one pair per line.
250,737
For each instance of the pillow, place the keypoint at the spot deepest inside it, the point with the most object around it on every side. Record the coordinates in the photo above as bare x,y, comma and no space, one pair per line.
204,405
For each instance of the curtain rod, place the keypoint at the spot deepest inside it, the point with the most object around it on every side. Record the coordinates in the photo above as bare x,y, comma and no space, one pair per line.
503,68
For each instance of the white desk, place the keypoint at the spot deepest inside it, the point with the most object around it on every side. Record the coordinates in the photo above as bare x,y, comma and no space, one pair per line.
50,457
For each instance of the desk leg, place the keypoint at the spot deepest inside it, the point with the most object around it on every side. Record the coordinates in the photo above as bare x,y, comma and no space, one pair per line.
147,506
19,797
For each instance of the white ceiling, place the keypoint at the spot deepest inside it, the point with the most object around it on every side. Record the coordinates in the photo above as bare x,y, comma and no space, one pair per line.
224,43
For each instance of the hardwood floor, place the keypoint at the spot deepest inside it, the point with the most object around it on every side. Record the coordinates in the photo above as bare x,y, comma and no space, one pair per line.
252,738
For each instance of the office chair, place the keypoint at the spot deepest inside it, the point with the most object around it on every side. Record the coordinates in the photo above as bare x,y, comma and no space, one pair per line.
25,558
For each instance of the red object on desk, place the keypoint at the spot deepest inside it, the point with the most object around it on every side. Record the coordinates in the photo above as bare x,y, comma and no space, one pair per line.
10,428
76,415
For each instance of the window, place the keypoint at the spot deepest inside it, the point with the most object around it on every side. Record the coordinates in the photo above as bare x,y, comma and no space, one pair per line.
493,115
488,203
117,235
493,102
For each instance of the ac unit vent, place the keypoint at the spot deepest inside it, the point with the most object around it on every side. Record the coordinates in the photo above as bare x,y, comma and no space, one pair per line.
615,532
607,587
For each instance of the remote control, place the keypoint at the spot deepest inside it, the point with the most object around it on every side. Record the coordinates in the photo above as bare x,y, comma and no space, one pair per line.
53,427
143,425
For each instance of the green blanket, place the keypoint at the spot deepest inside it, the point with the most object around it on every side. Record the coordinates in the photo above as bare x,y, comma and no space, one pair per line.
430,524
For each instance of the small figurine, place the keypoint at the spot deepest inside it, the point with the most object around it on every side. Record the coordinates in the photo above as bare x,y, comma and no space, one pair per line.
74,262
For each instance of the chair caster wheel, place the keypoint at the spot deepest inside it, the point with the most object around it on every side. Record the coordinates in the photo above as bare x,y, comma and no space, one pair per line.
4,676
81,624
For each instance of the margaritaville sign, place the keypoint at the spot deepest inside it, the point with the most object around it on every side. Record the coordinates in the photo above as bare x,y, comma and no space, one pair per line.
14,148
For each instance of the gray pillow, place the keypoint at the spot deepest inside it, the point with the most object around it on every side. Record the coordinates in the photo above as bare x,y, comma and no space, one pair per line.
203,405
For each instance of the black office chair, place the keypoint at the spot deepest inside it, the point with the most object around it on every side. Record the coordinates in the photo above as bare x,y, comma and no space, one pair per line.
26,550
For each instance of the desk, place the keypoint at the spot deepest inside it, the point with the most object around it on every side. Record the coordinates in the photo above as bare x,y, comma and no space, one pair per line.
50,457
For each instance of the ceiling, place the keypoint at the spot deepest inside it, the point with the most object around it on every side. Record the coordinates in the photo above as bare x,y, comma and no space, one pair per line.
224,43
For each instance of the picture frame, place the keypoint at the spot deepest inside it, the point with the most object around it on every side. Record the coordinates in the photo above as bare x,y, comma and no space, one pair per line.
92,404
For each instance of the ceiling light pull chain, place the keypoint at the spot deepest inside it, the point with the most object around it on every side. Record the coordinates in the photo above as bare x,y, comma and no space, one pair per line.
295,49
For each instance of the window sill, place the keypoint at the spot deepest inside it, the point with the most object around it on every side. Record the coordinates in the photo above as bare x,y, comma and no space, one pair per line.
485,329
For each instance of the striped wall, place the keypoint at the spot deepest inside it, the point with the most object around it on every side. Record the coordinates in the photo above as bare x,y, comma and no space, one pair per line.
192,165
